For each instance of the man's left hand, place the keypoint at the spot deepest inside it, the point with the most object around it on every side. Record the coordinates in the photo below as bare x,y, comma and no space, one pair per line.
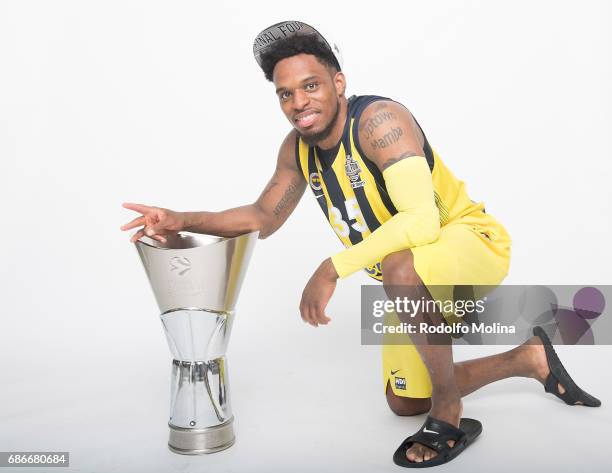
317,294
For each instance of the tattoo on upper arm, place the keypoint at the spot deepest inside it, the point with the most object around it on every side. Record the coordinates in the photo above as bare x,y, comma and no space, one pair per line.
381,116
376,120
290,196
392,136
405,155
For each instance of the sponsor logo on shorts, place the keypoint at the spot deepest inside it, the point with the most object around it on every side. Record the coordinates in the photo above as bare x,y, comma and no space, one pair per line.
400,383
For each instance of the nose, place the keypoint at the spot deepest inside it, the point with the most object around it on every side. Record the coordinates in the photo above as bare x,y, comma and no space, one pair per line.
300,99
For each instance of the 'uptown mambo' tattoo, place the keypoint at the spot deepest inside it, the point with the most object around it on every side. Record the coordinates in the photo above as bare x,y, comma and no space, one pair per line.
375,121
288,197
392,136
389,162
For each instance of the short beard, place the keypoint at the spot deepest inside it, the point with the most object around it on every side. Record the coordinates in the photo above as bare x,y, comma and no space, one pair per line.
312,140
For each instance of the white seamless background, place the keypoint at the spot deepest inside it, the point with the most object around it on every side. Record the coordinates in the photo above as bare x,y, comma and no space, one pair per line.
162,103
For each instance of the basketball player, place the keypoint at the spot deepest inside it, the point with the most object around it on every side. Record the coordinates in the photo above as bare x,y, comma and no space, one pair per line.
402,216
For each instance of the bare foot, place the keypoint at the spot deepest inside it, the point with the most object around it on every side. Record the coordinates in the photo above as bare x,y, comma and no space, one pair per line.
446,410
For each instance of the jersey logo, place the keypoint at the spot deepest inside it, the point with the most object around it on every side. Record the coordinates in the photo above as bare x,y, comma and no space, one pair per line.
315,181
400,383
374,270
352,171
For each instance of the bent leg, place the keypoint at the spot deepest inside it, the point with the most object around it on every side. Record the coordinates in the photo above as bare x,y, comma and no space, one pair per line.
527,361
401,280
450,381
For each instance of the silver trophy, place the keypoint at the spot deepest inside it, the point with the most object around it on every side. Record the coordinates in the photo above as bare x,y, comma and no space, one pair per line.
196,280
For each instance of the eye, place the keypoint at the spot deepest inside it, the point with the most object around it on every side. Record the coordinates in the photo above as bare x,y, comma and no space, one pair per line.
311,86
283,96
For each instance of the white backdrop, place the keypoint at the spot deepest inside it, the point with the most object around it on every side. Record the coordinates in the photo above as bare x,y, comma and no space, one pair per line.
162,103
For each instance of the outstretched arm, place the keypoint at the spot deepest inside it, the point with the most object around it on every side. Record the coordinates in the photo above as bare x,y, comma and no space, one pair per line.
273,207
266,214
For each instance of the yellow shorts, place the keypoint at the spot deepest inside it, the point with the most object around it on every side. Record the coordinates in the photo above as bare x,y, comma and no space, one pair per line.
474,249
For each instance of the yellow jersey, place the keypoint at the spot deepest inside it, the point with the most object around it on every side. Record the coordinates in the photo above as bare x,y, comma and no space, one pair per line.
351,191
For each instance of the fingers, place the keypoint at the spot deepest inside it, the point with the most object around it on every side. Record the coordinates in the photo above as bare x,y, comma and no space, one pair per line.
143,220
140,233
136,207
305,313
152,229
314,314
155,232
136,236
322,318
317,313
157,222
159,238
137,222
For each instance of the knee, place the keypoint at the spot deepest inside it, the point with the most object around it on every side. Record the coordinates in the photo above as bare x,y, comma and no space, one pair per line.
398,270
407,406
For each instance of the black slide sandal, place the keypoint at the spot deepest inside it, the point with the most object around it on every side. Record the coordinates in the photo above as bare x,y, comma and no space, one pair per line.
558,375
434,434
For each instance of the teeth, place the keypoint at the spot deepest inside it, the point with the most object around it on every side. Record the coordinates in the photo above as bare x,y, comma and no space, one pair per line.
306,116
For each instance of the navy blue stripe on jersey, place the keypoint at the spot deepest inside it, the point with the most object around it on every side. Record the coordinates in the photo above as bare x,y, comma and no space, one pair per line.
380,185
297,152
312,169
364,204
366,209
355,112
426,148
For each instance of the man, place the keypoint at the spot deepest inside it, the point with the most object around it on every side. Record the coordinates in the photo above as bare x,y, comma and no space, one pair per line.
401,214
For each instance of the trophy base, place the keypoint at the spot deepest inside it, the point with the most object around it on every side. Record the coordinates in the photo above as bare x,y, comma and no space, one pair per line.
201,441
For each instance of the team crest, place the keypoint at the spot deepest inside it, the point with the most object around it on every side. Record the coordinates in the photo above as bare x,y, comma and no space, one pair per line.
315,181
352,171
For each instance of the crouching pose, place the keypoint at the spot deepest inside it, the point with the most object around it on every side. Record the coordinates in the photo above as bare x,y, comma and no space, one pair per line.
402,216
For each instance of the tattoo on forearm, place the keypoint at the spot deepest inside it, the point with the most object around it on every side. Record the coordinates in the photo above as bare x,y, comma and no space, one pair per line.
375,121
289,197
387,139
405,155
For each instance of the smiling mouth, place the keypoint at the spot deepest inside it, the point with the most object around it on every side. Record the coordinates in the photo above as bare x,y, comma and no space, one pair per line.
307,119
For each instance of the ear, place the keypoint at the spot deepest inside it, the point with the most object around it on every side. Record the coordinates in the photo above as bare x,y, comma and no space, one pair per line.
340,83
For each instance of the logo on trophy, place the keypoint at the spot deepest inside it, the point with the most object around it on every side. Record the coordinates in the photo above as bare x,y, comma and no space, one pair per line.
196,280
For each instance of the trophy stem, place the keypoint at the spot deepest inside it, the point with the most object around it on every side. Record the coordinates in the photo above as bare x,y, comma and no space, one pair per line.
200,410
200,415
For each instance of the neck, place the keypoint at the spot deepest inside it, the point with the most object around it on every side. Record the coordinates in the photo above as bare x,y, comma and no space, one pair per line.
336,133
